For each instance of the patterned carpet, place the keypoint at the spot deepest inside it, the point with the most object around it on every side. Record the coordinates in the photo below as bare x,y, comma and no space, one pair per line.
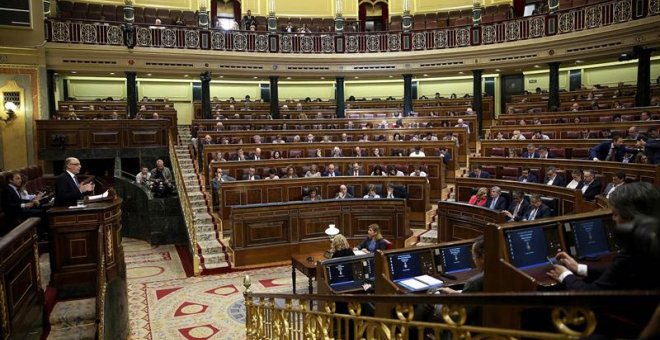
166,305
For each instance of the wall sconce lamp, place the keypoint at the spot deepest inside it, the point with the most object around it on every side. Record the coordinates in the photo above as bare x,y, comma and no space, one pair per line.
10,111
331,231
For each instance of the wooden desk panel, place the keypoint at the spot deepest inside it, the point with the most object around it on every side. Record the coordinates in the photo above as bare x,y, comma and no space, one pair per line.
643,172
21,296
560,130
239,193
585,116
75,247
433,166
273,232
323,124
102,134
460,221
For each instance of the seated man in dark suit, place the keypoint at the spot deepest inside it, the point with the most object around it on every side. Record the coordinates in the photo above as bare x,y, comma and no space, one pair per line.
537,209
590,187
343,193
496,201
445,155
544,153
518,208
612,150
553,178
478,173
251,175
527,177
15,205
531,152
331,172
68,188
651,148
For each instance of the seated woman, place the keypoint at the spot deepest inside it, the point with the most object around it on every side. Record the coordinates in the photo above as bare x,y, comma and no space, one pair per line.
480,197
312,195
340,247
313,171
378,171
372,192
374,241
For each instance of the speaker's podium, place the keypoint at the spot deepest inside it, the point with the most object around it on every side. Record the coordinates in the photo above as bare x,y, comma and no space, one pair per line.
86,246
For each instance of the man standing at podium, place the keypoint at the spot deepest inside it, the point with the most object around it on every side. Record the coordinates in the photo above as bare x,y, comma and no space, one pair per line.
67,187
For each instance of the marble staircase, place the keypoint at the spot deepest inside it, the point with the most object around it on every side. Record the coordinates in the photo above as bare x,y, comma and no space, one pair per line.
211,251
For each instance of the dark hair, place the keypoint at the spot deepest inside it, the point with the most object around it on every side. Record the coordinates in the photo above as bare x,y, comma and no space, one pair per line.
478,247
637,198
620,175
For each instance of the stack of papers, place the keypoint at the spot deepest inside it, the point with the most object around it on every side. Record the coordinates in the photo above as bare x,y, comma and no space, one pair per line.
420,283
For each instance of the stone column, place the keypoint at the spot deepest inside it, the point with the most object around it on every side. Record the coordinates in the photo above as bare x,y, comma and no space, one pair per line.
131,95
205,77
339,97
407,94
643,95
477,94
274,98
553,100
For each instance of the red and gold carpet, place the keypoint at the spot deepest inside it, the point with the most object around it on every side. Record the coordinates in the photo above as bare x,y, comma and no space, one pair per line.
208,307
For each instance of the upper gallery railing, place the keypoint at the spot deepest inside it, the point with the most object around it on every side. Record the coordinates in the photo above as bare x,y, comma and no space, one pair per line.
572,20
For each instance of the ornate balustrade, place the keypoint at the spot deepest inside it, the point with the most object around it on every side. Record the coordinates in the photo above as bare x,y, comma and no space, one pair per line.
175,37
573,315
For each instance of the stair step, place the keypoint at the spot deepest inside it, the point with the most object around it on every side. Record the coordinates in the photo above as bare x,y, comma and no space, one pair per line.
80,332
210,247
73,312
205,227
206,236
214,259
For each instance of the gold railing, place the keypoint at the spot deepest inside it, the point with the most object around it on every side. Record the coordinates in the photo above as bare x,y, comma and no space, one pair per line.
188,215
101,285
285,316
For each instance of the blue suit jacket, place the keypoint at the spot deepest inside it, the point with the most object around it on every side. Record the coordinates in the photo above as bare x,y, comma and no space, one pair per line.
326,173
526,155
531,178
499,205
483,174
66,190
601,150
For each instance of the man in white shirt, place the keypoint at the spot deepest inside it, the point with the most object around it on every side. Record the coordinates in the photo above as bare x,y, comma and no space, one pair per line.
418,152
418,172
143,176
618,180
462,124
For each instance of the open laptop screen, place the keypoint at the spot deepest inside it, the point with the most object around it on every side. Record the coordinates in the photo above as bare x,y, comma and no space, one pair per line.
457,258
527,247
590,237
404,265
340,273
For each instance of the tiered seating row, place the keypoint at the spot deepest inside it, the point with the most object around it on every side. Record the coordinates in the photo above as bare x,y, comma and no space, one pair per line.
107,12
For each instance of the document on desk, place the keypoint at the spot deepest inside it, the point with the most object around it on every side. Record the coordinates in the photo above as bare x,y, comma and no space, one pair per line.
98,197
359,252
430,280
413,284
419,283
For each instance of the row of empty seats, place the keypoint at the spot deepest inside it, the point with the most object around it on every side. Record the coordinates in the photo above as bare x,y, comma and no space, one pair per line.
148,15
